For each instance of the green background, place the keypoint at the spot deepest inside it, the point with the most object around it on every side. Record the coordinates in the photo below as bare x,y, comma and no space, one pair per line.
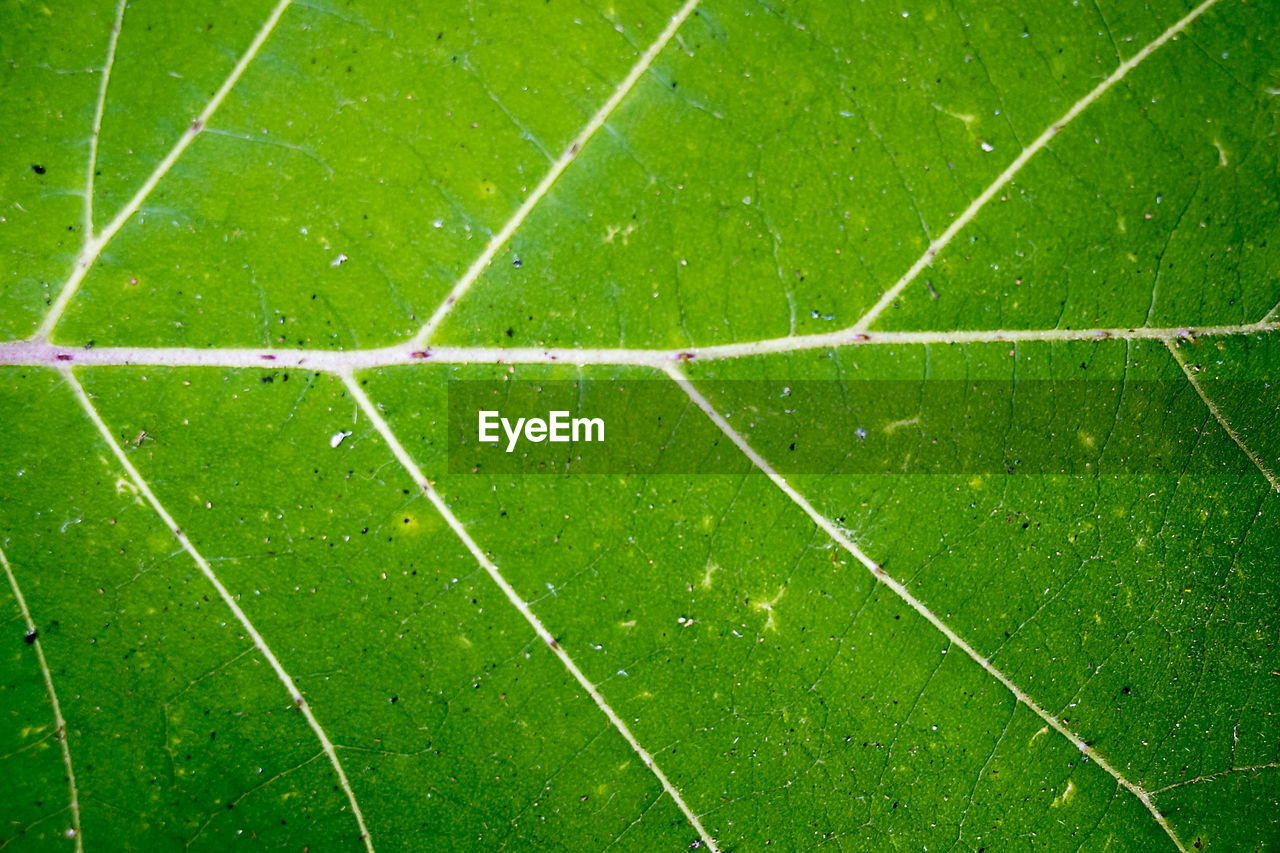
774,170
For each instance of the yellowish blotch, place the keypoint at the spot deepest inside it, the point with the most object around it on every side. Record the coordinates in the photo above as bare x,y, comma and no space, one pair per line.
894,426
712,568
767,606
1066,795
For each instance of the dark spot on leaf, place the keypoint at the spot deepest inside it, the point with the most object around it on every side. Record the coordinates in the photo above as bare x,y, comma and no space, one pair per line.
38,169
31,637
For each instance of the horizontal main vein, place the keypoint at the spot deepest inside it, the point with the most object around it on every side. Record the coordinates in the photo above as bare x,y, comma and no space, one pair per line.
60,732
903,593
94,243
1013,168
39,353
259,642
411,467
557,168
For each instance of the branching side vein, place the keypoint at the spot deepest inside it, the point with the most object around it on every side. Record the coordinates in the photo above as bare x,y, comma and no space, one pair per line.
95,243
1013,168
411,467
61,732
1221,418
579,142
259,641
903,593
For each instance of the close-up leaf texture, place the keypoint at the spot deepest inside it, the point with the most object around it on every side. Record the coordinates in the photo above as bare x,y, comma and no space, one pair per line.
256,596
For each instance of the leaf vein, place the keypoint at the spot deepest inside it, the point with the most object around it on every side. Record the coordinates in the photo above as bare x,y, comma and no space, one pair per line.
60,731
259,641
94,244
411,467
579,142
936,247
902,592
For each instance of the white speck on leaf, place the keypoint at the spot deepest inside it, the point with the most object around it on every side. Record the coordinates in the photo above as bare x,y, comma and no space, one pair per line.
337,437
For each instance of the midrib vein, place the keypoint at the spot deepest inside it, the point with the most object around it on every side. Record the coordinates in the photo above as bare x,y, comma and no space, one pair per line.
38,353
903,593
60,732
411,467
259,642
935,247
575,147
94,243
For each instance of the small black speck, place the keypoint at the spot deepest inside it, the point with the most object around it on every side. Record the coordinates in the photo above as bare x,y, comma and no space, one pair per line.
1125,690
38,169
516,263
394,699
511,332
31,637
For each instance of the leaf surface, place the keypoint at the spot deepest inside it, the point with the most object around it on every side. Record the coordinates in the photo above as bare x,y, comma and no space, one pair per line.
955,328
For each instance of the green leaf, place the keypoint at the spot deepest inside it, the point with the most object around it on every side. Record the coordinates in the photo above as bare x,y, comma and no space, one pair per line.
935,345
